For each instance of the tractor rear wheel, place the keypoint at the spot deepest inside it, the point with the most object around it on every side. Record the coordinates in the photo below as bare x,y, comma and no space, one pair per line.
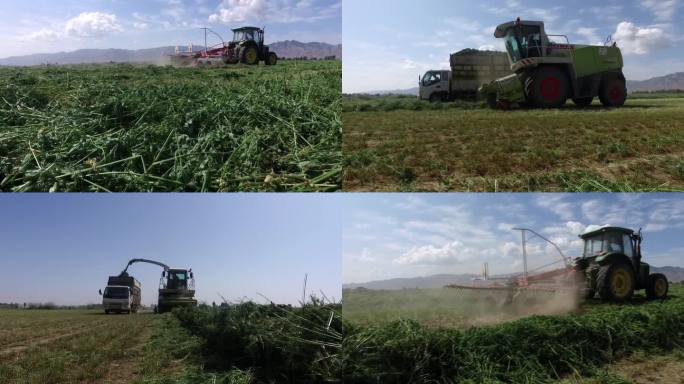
613,92
547,87
272,59
583,102
249,55
657,286
615,282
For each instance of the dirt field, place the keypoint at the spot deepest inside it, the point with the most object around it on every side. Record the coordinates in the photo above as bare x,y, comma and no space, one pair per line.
468,148
59,346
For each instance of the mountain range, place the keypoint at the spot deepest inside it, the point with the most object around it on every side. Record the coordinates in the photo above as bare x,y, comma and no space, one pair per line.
673,274
284,49
674,81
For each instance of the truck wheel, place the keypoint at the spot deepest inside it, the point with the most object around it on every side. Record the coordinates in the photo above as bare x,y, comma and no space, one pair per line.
106,311
250,55
272,59
583,102
547,87
615,282
657,286
613,92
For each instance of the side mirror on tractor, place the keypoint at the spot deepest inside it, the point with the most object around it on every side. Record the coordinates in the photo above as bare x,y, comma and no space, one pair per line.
100,292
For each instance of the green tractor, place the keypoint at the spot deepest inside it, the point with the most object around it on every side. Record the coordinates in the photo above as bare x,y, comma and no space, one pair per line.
612,266
547,73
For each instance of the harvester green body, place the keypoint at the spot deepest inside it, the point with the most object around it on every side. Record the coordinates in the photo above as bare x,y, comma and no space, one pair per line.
611,266
548,73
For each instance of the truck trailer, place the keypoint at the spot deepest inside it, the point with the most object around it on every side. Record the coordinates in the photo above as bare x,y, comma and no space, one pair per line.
121,295
470,68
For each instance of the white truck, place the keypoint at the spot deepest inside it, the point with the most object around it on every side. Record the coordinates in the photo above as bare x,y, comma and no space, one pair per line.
121,295
470,68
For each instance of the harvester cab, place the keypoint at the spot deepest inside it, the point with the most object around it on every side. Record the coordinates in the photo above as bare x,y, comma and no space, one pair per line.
612,265
549,72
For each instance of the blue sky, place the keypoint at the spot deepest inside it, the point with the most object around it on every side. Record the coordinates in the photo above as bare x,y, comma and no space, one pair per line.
388,43
38,26
61,248
409,235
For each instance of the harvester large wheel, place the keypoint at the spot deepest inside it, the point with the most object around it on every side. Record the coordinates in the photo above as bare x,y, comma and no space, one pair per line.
547,87
657,286
583,102
613,92
615,282
272,59
250,55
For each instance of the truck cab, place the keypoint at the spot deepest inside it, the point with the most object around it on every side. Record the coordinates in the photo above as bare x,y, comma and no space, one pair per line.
434,85
118,299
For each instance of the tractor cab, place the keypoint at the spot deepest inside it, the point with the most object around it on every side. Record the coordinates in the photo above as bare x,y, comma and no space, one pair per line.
609,240
248,34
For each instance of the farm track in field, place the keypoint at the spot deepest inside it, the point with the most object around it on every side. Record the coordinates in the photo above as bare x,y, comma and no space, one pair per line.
42,340
71,346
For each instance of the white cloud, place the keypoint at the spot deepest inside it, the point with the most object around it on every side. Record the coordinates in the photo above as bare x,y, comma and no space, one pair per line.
662,9
92,24
283,11
589,35
366,256
409,64
640,40
139,25
487,47
42,35
447,254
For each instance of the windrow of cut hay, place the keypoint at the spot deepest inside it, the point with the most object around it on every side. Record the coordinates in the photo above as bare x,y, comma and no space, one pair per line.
136,128
265,343
537,349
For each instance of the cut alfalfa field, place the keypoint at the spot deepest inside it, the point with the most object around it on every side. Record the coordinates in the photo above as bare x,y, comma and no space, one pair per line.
145,128
402,144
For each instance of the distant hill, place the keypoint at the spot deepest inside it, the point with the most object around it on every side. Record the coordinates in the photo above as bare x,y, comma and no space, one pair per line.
670,82
292,48
434,281
285,49
664,83
410,91
673,274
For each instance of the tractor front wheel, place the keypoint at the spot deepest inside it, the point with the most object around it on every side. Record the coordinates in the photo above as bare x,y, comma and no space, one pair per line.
613,92
250,55
272,59
583,102
615,282
547,87
657,287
